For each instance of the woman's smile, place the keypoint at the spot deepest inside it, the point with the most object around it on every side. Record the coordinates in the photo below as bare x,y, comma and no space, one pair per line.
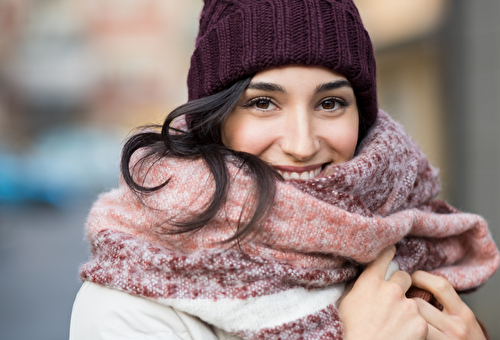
304,173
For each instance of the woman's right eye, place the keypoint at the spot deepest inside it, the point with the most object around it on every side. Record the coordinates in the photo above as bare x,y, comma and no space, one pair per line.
261,104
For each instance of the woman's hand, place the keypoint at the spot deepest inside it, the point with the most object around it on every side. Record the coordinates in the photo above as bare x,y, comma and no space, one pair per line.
456,321
378,309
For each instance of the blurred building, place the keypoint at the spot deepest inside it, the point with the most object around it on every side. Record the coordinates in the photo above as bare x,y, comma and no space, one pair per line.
71,70
105,62
472,84
410,73
141,51
12,19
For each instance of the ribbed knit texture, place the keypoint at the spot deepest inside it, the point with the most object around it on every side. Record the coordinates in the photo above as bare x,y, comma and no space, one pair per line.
238,38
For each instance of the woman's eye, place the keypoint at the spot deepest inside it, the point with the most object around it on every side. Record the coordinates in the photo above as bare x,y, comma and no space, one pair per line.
330,104
263,104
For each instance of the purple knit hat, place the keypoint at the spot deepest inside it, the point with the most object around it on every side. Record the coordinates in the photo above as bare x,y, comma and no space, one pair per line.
238,38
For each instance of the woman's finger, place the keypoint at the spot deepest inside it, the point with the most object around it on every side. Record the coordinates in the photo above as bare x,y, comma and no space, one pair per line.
379,266
442,290
402,279
433,316
435,334
378,309
456,321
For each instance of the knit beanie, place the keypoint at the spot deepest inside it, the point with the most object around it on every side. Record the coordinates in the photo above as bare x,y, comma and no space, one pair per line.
238,38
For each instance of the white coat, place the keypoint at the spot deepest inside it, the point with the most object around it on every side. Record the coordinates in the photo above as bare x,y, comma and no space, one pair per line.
101,313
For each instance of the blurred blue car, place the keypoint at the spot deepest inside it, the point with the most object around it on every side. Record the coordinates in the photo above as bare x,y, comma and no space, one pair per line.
65,165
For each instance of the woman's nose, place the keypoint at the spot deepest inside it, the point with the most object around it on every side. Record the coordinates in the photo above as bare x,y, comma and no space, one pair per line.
299,139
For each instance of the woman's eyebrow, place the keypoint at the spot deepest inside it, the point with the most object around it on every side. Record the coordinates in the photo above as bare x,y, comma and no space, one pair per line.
269,87
333,86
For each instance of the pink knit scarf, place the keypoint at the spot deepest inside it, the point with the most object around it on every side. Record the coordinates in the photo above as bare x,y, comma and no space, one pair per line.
285,281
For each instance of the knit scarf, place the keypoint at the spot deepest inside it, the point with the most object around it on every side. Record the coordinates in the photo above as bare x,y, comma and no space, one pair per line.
285,281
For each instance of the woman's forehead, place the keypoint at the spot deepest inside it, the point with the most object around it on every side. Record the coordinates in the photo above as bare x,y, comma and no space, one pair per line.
281,79
298,72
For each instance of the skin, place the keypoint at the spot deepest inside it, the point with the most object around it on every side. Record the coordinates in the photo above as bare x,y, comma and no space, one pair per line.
379,308
299,119
296,118
456,321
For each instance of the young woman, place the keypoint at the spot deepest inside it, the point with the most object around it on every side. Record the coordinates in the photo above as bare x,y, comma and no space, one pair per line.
275,186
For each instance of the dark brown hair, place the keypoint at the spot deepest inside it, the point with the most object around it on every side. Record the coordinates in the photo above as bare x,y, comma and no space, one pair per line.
203,139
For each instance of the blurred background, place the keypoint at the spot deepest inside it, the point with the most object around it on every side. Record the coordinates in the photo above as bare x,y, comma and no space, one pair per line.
76,76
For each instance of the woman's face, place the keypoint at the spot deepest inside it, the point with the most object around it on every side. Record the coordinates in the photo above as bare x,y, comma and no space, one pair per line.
296,118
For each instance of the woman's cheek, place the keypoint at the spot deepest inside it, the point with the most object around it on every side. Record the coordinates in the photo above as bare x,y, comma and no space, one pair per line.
249,136
341,136
254,139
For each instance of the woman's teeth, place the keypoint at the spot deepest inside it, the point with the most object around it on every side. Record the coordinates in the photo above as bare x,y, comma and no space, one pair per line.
300,175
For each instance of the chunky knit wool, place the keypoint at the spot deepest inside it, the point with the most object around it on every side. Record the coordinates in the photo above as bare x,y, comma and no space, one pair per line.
238,38
285,281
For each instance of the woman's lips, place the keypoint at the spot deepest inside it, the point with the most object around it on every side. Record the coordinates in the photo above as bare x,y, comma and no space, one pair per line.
294,172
